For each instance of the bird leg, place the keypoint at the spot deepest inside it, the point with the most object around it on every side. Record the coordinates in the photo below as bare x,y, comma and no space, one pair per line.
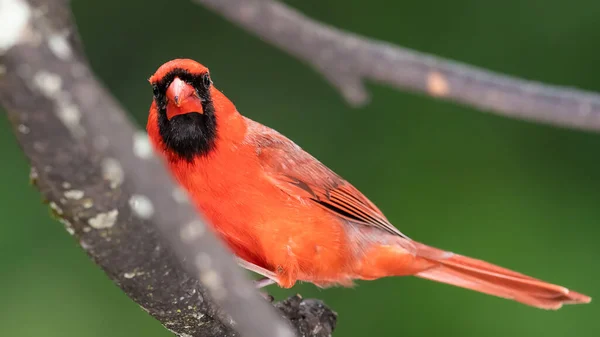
263,282
269,277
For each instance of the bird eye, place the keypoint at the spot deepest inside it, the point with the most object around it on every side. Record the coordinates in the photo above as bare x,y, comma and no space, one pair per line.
206,80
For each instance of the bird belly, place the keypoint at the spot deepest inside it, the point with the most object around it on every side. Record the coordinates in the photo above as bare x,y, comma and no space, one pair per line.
267,227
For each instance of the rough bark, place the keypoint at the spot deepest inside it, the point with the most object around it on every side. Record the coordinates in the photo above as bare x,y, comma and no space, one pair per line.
346,60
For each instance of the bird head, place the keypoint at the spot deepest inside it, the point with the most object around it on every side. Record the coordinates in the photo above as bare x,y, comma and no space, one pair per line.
182,115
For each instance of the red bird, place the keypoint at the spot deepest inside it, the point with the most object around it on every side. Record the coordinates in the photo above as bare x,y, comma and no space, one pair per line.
287,216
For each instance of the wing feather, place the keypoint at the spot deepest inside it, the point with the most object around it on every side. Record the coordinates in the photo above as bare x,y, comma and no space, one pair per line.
302,176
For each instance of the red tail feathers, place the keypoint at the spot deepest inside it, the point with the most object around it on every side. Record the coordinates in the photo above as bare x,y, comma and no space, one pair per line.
490,279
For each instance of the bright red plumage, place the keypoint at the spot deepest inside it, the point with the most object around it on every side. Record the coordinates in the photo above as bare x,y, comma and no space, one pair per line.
289,217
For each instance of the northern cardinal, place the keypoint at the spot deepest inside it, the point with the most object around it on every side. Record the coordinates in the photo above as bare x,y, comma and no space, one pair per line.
287,216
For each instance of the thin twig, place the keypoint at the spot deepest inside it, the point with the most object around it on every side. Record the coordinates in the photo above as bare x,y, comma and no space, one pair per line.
347,59
105,184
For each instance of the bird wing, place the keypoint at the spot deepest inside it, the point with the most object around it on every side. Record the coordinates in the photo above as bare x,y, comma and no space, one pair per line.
302,176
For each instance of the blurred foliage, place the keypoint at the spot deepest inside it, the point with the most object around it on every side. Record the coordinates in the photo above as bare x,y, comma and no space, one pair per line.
518,194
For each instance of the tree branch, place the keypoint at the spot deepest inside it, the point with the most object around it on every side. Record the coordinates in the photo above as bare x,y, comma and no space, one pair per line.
102,180
347,59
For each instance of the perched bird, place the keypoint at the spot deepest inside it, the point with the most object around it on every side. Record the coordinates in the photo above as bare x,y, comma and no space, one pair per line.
287,216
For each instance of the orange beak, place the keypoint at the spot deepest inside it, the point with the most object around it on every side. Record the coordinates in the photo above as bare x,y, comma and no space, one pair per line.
182,99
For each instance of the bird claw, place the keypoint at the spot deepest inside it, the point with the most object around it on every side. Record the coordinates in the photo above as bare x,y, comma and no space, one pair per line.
267,297
263,282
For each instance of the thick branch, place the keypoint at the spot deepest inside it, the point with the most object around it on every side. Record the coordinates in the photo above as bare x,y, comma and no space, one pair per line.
346,60
102,180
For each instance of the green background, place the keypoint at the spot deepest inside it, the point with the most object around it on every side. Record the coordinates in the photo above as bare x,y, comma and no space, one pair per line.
518,194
